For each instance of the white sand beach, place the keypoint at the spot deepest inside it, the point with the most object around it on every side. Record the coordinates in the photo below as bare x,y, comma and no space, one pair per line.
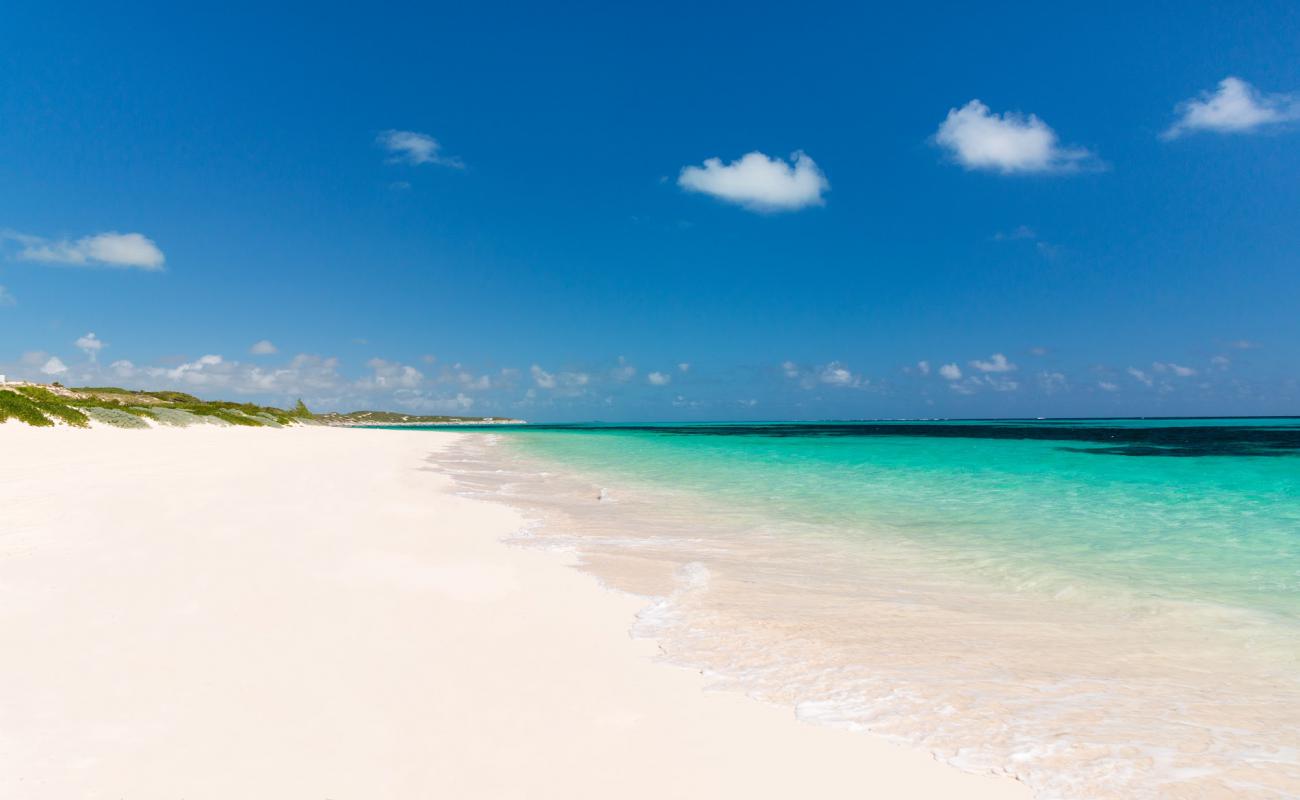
312,613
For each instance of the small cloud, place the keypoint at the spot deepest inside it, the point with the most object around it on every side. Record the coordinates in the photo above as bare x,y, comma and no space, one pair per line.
399,186
90,345
684,367
790,369
659,378
542,378
996,363
1221,362
429,358
1176,369
111,249
836,374
749,403
6,298
411,147
1018,233
54,366
1009,143
390,375
923,367
1140,376
624,372
1235,107
1051,382
1107,386
950,372
1038,351
759,183
1243,344
263,348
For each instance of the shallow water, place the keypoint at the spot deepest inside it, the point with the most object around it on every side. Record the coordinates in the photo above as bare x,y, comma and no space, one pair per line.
1099,608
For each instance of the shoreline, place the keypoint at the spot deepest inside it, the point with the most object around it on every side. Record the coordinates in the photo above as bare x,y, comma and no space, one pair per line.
350,627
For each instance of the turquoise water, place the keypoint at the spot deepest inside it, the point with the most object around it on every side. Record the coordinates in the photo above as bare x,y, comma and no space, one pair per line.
1219,528
1096,607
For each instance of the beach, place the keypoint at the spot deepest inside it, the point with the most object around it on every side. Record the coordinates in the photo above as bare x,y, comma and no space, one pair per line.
317,613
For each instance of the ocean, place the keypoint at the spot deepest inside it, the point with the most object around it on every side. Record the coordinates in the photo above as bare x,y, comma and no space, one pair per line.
1099,608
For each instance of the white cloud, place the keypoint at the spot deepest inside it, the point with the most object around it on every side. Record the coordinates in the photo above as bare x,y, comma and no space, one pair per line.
1039,351
110,249
90,344
6,298
411,147
923,367
790,369
1243,344
951,372
624,371
1107,386
659,378
996,363
684,367
1140,376
1221,362
836,374
1177,369
542,378
263,348
391,375
759,183
1007,143
1052,382
1235,107
54,366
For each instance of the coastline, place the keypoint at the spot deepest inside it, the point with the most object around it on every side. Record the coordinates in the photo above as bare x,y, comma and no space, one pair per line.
214,612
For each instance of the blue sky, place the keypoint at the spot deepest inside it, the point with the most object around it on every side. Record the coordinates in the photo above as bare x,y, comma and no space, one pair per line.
555,213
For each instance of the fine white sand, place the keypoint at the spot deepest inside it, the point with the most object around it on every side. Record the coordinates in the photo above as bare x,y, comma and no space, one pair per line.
310,613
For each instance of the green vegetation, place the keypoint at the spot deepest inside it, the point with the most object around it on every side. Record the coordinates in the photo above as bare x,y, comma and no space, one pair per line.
127,408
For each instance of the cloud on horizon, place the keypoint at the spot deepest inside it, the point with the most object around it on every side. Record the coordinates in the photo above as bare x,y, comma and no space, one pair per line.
1234,107
1008,143
759,183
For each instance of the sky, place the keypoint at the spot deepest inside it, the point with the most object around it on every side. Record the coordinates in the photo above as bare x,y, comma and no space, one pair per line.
660,212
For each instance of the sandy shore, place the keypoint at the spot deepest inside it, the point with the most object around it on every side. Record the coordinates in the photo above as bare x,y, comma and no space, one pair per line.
310,613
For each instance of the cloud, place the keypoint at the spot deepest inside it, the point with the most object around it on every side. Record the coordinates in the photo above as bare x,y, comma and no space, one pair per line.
90,345
624,372
1243,344
263,348
111,249
1221,362
1107,386
950,372
1039,351
1140,376
790,369
542,378
54,366
1052,382
6,298
1177,369
391,375
411,147
1235,107
759,183
836,374
684,367
659,378
1009,143
1016,234
923,367
996,363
